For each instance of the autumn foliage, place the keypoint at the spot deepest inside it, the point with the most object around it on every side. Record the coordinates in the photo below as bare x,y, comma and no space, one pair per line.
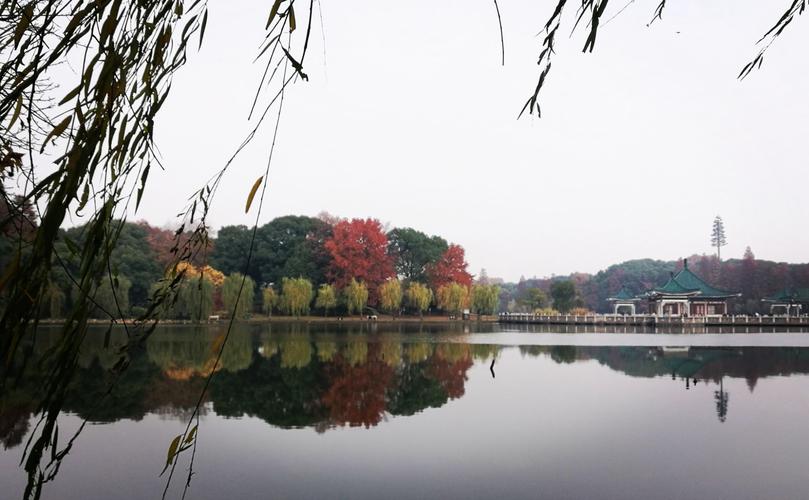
359,250
355,257
165,242
450,268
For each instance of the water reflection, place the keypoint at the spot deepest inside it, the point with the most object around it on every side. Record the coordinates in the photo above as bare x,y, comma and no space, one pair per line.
290,376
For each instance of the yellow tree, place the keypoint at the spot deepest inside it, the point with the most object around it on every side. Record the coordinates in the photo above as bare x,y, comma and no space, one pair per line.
231,287
453,297
485,299
326,298
269,300
390,296
296,295
419,297
216,276
356,296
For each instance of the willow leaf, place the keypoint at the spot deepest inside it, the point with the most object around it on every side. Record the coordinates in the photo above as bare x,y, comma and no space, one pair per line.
172,452
202,28
70,95
273,12
191,435
17,110
252,194
25,21
56,132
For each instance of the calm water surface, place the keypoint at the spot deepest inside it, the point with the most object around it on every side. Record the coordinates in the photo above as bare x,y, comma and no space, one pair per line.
325,412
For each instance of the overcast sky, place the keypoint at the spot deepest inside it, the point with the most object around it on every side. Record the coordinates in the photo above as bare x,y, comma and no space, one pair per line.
411,119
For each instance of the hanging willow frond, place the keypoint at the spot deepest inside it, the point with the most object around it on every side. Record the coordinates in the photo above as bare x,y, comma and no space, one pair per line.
593,10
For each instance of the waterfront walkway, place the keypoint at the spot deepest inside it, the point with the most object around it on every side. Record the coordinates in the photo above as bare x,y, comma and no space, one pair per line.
653,321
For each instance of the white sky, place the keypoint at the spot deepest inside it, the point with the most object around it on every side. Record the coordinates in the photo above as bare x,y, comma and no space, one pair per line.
412,120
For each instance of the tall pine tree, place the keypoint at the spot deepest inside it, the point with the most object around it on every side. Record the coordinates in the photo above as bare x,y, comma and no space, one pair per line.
718,239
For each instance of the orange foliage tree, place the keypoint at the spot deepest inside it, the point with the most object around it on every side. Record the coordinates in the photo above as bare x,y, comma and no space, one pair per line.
450,268
358,249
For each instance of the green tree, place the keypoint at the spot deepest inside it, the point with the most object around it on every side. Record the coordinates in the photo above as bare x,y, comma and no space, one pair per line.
453,297
564,295
326,298
269,300
232,244
109,302
485,299
296,295
286,246
355,295
413,251
390,296
718,239
55,301
292,246
230,292
195,299
131,257
419,297
533,299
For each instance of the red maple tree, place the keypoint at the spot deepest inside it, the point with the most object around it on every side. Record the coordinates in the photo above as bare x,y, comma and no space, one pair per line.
358,249
451,267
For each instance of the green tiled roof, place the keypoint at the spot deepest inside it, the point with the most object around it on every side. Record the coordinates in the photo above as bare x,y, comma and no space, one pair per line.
623,296
674,287
790,295
687,283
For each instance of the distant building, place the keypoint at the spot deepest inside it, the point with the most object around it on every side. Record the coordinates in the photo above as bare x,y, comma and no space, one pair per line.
623,301
789,301
686,294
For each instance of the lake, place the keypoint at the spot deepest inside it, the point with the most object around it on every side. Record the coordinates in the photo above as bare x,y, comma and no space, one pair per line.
432,411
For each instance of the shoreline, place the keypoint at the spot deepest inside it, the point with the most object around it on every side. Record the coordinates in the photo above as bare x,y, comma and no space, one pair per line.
258,319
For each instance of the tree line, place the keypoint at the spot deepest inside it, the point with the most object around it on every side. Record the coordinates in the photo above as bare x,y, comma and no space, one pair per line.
328,266
754,278
300,265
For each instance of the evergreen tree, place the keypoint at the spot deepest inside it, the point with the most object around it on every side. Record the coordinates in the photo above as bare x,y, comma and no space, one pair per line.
718,239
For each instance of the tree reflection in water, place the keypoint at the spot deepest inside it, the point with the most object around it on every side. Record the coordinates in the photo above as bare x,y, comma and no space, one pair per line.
301,377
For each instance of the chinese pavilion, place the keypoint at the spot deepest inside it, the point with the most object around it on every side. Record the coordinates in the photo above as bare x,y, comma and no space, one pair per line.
685,294
623,300
789,301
